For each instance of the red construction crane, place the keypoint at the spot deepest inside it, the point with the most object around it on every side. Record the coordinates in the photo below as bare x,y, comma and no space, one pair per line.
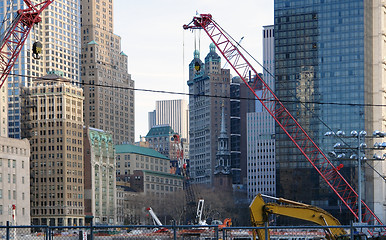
180,166
283,118
16,34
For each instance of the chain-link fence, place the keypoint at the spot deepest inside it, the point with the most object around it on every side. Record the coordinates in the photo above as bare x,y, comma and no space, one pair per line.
177,232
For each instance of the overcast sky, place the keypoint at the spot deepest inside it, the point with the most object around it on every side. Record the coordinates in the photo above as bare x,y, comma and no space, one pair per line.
160,50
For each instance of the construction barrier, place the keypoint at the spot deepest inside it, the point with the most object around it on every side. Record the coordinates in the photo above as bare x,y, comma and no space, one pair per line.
175,232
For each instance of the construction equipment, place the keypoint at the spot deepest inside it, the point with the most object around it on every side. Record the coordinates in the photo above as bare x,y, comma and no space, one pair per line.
226,223
15,35
156,221
260,212
200,208
328,172
180,166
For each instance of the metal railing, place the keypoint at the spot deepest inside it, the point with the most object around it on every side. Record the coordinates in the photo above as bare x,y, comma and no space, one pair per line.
177,232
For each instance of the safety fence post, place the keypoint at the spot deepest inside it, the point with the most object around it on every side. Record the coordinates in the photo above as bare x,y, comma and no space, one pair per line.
47,233
7,231
91,230
50,233
174,230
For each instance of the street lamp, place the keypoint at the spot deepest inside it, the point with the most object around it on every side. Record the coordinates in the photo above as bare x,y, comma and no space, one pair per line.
361,146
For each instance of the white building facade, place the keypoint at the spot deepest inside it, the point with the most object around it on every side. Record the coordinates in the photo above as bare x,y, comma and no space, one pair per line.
175,113
261,169
14,181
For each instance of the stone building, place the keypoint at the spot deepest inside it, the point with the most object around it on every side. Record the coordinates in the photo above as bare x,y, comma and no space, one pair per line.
99,171
160,138
142,174
206,78
14,181
53,122
130,157
108,108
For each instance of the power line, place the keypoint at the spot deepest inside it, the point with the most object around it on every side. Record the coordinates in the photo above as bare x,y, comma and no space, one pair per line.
208,95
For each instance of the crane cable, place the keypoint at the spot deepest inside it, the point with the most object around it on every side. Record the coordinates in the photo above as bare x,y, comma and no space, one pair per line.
183,61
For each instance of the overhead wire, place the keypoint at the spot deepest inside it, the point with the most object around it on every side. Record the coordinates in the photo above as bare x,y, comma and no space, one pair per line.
204,95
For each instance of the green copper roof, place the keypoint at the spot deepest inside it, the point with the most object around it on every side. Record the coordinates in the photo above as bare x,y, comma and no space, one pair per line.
160,131
162,174
93,42
122,53
128,148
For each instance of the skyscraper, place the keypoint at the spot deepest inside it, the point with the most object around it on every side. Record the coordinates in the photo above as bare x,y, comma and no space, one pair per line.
261,168
175,114
109,108
208,87
59,33
53,123
241,102
329,67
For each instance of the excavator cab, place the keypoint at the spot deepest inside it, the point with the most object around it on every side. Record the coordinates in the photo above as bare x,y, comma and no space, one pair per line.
36,49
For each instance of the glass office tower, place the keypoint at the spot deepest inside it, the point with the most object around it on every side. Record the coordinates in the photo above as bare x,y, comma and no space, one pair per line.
327,74
59,33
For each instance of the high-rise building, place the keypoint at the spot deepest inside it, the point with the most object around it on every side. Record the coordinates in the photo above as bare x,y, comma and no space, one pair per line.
4,111
241,102
261,170
175,114
205,112
100,190
53,123
151,119
59,33
109,108
330,52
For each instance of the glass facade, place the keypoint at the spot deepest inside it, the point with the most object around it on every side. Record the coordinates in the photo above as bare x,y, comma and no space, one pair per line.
59,33
321,69
235,133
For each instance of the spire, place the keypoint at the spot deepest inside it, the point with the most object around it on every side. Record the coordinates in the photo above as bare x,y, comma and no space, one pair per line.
223,131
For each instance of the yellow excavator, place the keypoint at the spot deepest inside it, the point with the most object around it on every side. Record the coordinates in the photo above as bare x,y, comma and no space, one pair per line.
260,212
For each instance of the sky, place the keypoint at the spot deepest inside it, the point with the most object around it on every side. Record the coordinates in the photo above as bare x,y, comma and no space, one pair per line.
159,50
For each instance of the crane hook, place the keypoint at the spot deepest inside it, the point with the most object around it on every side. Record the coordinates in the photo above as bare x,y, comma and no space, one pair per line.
36,49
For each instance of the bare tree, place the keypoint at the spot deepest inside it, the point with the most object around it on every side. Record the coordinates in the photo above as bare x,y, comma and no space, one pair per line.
220,204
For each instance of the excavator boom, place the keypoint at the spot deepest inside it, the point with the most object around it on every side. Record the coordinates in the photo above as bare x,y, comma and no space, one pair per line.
260,211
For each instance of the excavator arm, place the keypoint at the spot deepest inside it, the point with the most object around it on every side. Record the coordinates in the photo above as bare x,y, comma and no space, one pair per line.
260,212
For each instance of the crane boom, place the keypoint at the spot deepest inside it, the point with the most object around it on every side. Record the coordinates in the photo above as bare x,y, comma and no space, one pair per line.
17,33
283,118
